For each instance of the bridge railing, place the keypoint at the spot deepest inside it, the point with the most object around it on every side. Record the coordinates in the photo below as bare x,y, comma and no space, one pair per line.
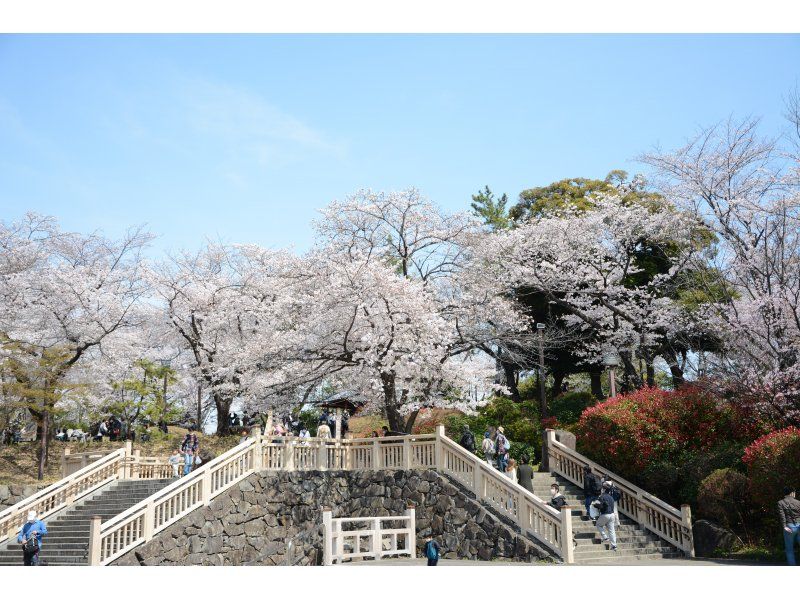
349,538
138,524
671,524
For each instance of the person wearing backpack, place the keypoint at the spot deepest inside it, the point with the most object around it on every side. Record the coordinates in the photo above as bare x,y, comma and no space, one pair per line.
432,550
591,489
30,536
488,448
502,446
606,522
467,439
557,500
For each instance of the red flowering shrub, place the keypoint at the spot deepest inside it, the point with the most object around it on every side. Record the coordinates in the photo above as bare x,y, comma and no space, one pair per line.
773,461
632,431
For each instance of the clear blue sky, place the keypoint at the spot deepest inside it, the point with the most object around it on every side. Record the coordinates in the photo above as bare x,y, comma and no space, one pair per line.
243,138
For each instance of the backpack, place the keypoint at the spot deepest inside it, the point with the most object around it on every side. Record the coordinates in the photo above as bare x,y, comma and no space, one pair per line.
615,493
31,546
430,551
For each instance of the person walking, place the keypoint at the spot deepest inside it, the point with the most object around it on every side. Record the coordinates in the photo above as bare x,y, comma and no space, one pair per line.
525,474
323,431
30,536
511,470
488,448
591,489
432,550
606,522
175,461
188,461
467,439
789,513
502,446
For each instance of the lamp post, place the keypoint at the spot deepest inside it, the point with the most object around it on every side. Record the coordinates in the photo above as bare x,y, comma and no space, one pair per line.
611,361
545,464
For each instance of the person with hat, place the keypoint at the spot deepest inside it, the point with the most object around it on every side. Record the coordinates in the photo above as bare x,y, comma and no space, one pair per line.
591,489
30,536
789,513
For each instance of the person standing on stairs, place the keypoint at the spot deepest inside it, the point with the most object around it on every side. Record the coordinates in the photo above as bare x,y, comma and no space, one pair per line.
525,474
502,446
606,522
467,439
591,489
557,500
30,536
488,448
175,461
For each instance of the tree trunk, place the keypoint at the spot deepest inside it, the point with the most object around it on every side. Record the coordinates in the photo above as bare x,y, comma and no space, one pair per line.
45,433
199,406
558,380
651,373
596,378
409,426
223,415
671,358
510,375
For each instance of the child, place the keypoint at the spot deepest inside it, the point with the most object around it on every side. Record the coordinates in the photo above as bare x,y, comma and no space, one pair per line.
188,460
175,461
432,549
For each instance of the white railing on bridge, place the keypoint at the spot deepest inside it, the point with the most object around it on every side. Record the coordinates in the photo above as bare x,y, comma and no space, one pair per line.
357,538
667,522
137,525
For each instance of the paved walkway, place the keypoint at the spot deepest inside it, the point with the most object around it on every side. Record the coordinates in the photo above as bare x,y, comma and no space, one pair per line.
623,562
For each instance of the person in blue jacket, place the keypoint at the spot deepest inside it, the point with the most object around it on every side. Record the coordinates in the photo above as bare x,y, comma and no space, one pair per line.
33,528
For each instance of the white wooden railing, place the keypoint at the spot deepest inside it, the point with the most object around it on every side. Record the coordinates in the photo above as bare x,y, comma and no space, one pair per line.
66,491
140,523
348,538
531,513
671,524
72,462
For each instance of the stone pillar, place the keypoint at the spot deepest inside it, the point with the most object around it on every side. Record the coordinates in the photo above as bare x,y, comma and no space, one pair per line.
64,456
567,548
338,430
440,447
686,517
411,542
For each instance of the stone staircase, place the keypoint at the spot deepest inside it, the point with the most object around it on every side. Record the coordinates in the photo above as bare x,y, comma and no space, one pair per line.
67,540
633,543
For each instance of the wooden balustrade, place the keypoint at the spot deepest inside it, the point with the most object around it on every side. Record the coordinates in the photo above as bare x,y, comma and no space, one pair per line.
651,513
65,492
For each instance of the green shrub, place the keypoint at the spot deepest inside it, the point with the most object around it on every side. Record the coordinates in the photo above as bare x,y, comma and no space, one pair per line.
720,498
773,461
568,407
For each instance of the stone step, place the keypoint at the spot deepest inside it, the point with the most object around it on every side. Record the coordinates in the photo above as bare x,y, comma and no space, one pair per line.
614,559
623,552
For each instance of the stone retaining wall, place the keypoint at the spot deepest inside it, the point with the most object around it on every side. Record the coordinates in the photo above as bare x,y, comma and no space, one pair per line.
251,523
11,494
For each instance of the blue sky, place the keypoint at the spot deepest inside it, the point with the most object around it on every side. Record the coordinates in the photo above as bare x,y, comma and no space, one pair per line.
244,138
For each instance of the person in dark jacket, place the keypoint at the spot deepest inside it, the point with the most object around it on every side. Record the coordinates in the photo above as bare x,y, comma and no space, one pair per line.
467,439
591,488
432,551
557,500
525,474
789,513
607,522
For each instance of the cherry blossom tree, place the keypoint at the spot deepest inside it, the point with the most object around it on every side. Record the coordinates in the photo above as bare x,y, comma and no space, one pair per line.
64,294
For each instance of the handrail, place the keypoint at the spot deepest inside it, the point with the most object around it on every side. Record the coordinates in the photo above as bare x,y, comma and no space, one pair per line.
671,524
531,513
65,491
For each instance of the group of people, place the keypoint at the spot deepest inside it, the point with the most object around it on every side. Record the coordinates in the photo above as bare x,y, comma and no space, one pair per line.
188,455
495,445
326,426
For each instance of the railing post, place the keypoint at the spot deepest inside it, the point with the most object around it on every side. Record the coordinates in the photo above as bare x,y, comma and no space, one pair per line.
126,461
549,462
411,542
327,542
64,456
377,539
94,540
567,548
136,467
288,461
440,447
149,521
376,454
206,486
322,455
258,457
406,453
686,517
477,480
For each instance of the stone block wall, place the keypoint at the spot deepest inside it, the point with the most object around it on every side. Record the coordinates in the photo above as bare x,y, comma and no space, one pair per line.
252,523
11,494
